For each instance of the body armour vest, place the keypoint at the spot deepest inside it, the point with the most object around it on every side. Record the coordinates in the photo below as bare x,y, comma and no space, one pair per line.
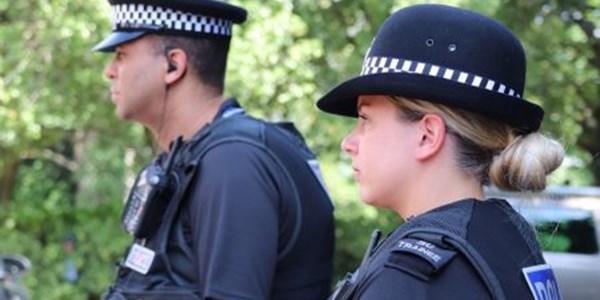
172,273
468,249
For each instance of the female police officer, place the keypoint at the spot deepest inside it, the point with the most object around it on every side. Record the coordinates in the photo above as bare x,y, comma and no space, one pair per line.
441,113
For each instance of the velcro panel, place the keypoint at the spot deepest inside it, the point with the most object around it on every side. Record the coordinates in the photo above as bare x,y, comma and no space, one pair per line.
419,258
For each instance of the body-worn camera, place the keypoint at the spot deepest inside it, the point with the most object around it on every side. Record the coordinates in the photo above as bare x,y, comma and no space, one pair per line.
149,197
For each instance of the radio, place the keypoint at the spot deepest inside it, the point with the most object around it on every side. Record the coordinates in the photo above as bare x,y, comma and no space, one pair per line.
149,196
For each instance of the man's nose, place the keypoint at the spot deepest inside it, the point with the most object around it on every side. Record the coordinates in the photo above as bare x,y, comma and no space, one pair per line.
110,70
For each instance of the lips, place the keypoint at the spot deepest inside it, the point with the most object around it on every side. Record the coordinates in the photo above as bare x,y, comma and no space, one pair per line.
113,95
356,171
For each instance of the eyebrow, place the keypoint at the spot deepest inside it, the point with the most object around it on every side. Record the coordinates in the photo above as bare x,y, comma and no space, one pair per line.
360,106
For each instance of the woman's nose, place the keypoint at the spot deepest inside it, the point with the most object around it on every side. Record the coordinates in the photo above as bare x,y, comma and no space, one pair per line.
349,144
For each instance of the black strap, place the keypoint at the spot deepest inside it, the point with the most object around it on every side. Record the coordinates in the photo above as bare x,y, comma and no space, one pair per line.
345,288
462,245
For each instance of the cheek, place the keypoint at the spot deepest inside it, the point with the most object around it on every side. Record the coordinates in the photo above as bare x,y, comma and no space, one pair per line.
380,180
373,161
379,151
144,70
136,75
384,161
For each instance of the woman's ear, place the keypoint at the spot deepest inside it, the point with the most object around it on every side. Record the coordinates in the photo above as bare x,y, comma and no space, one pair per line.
432,136
176,65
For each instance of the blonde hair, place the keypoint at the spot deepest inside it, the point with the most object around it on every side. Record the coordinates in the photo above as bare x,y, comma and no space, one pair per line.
491,150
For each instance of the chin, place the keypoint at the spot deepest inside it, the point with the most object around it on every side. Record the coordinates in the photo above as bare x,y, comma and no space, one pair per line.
379,201
368,199
368,202
123,115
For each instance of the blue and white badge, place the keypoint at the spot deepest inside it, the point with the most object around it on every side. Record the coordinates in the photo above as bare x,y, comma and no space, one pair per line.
140,259
542,283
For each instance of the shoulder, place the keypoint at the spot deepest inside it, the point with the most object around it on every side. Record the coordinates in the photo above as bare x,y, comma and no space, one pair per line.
235,176
237,160
234,149
421,257
244,161
239,134
422,268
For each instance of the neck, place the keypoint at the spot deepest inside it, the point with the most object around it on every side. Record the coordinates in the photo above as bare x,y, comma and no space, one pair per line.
436,184
438,194
185,111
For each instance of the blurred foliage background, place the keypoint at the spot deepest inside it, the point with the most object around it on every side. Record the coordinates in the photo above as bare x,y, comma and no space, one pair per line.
66,161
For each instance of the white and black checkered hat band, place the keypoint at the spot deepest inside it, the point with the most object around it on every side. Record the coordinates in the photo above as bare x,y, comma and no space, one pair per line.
381,65
131,16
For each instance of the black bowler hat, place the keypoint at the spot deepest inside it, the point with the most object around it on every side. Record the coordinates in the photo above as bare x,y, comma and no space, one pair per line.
446,55
196,18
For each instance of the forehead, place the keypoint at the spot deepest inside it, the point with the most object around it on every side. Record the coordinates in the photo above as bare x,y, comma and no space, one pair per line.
141,43
370,100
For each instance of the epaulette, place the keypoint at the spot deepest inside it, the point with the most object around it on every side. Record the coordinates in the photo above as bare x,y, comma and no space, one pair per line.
420,255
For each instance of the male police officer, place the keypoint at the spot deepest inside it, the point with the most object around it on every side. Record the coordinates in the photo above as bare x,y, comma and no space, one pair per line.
233,207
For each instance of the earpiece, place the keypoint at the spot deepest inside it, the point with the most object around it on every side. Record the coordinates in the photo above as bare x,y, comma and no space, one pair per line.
172,67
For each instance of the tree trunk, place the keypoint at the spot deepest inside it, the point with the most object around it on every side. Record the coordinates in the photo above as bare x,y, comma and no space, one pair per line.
8,180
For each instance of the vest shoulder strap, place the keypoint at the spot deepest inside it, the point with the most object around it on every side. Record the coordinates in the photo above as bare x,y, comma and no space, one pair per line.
444,245
420,255
428,251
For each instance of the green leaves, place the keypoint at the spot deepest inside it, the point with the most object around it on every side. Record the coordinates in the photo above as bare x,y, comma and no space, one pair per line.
65,159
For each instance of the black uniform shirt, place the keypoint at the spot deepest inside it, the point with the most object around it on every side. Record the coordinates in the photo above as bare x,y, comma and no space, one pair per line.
243,238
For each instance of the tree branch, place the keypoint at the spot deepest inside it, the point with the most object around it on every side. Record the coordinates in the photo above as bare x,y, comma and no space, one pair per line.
52,156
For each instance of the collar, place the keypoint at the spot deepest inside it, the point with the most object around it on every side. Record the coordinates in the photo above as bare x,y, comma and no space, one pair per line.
229,107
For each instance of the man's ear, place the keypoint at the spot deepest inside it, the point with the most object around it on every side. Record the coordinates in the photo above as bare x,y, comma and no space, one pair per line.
176,65
432,136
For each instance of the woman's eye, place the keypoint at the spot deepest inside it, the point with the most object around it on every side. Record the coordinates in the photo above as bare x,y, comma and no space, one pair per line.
362,121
